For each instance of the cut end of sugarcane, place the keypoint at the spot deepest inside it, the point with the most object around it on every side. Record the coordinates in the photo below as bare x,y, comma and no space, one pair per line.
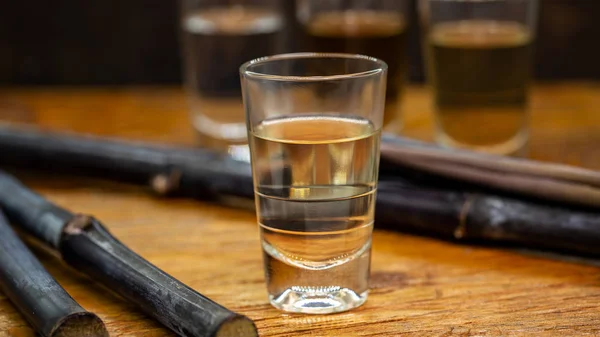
82,324
239,326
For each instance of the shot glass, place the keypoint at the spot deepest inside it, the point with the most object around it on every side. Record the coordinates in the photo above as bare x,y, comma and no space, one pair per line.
378,28
314,125
479,67
218,36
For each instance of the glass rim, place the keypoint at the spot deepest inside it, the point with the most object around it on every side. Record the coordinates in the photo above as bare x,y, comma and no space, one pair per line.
380,67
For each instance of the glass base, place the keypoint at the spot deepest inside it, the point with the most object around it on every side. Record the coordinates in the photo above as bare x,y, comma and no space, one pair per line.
238,150
321,300
515,146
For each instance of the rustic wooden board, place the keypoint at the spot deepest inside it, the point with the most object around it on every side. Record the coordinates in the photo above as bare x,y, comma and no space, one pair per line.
420,286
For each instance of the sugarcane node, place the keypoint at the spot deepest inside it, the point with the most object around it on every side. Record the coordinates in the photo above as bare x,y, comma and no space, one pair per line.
81,324
166,183
461,230
35,293
78,224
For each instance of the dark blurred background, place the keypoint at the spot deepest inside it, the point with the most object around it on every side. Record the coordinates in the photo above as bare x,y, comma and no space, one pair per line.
111,42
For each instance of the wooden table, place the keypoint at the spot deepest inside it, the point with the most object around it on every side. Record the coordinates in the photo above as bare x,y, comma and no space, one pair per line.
420,286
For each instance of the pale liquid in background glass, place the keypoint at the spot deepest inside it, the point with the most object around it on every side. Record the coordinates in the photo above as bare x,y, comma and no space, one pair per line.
217,41
480,72
315,182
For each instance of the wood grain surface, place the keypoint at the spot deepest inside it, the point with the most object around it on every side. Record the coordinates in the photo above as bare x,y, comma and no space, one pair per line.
420,286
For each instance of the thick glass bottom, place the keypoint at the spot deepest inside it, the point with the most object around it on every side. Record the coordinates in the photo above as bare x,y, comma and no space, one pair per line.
317,288
320,300
237,150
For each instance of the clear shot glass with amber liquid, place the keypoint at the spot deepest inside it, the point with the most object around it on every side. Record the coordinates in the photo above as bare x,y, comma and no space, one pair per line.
479,55
314,126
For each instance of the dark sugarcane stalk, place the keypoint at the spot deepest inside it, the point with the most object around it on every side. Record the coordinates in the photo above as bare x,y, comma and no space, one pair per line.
85,244
486,218
475,217
202,174
167,170
37,295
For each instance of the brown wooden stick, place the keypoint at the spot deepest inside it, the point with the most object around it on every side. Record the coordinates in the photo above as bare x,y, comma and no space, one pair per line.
533,186
395,148
546,181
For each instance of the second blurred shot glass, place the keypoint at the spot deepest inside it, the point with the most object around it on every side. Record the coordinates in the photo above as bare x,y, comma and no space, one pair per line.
218,36
378,28
314,124
479,66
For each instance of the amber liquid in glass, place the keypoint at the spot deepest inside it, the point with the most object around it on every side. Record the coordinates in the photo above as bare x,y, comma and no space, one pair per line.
480,71
315,183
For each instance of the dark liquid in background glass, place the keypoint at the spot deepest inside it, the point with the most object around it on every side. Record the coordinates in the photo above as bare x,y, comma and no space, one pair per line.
219,40
216,42
480,71
374,33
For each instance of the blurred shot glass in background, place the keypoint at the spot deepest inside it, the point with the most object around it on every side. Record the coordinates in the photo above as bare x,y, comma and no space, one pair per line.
479,55
218,36
377,28
314,124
